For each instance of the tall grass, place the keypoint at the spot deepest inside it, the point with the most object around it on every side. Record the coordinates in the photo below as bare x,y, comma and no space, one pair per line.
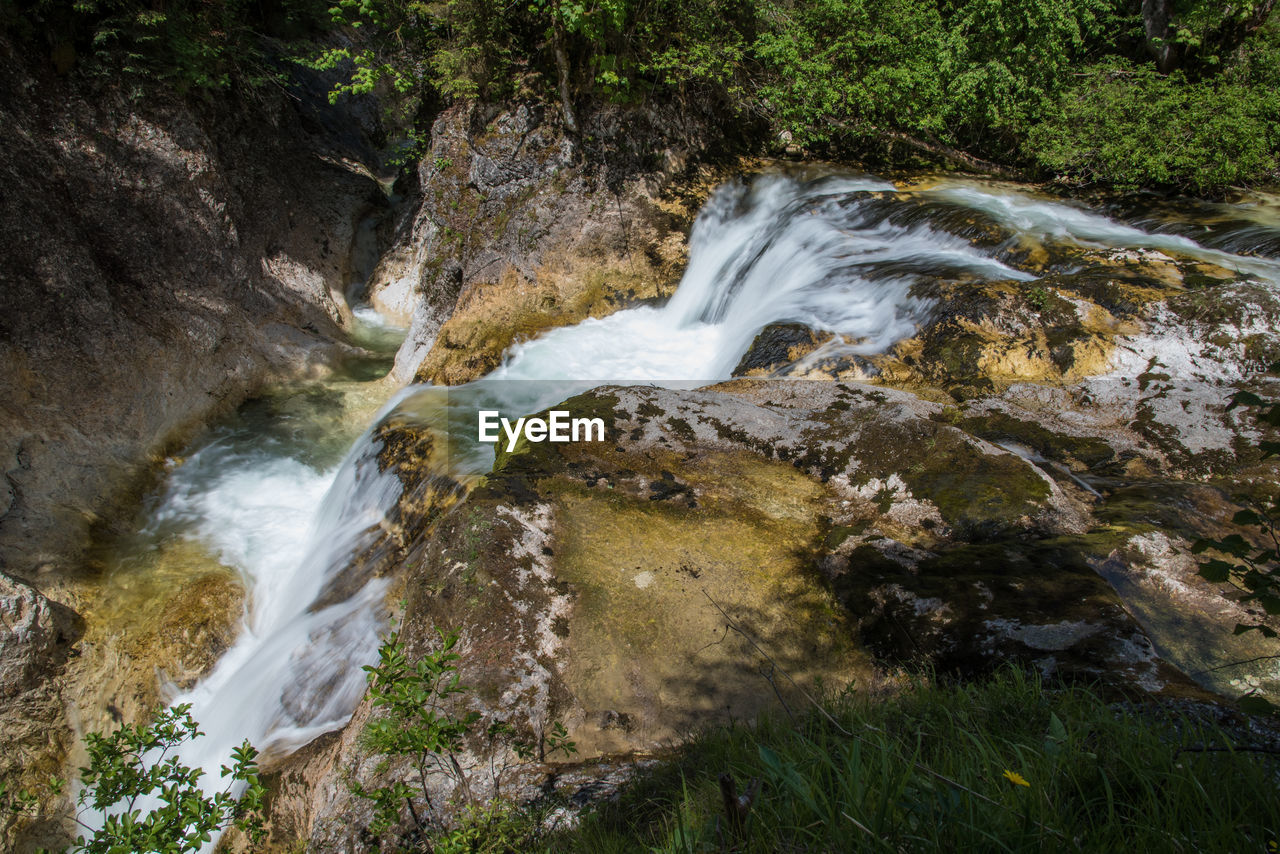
1001,765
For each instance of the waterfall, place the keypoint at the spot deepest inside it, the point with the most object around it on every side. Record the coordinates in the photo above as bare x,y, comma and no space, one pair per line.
849,255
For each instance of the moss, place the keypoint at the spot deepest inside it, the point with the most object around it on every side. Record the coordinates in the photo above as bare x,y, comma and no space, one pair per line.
644,637
1089,452
978,494
565,289
954,597
681,429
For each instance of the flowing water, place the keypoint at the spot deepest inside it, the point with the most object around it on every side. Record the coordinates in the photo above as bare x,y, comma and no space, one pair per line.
276,501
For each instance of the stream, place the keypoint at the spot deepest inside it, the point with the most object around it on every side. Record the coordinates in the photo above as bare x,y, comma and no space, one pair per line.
285,494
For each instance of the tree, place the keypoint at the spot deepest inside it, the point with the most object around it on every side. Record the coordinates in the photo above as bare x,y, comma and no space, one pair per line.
1199,32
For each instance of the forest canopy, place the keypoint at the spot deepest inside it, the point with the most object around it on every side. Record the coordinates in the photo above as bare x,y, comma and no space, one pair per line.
1177,94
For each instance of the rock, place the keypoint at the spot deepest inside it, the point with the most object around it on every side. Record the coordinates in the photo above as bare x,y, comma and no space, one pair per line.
30,637
152,630
514,231
777,346
585,578
173,257
36,638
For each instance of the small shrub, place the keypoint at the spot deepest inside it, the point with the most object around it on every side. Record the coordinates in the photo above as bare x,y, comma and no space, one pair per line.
133,763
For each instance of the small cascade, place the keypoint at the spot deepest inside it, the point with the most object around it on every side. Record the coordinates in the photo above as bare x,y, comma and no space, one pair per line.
849,255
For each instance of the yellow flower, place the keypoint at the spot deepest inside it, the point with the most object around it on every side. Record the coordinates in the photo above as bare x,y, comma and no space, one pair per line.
1016,779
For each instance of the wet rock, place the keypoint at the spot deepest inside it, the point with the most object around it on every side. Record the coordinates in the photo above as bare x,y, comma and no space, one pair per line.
514,231
585,578
36,639
966,608
779,345
174,256
147,638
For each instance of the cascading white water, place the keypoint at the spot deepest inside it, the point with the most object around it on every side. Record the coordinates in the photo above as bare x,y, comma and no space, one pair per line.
776,250
825,252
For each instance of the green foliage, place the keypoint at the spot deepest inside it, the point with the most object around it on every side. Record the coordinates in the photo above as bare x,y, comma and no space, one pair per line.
419,722
968,73
855,68
1001,765
134,763
1038,297
1131,126
1065,87
25,801
496,827
416,723
184,44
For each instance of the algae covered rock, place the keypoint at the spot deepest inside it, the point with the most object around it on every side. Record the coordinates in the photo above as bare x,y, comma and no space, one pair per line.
778,346
36,639
725,541
512,231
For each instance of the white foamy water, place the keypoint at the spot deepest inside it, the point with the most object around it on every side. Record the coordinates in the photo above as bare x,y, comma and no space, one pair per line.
294,671
1045,219
827,253
774,251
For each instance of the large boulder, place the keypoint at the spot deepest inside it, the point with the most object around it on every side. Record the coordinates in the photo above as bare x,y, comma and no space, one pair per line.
722,550
166,258
516,228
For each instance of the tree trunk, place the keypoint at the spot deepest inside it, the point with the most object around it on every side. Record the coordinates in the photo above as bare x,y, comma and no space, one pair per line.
562,71
1234,31
1155,25
1224,39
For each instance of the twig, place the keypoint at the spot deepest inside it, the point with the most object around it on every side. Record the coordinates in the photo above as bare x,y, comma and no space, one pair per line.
868,831
1234,664
737,808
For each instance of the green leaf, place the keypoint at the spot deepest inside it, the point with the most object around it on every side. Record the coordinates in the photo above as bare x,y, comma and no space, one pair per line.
1246,517
1254,705
1216,571
1234,545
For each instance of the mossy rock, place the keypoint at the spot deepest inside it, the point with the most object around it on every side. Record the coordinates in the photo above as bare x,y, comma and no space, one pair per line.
564,291
589,596
777,346
587,578
970,608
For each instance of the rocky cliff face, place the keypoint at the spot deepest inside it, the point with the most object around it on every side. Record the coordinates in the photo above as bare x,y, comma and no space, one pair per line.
515,228
161,260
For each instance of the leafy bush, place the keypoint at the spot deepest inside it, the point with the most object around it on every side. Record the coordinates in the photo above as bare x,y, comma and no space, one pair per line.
1132,126
419,722
133,764
184,44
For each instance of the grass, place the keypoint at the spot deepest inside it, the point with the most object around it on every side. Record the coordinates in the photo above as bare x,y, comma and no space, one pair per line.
1001,765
